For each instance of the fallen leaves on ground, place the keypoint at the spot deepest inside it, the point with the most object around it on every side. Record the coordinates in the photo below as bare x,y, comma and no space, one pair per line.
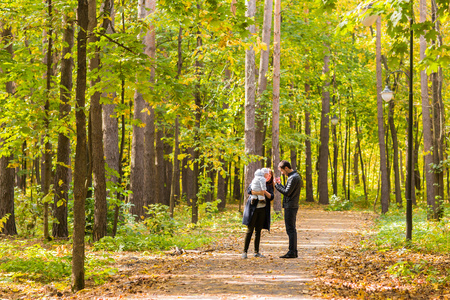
354,272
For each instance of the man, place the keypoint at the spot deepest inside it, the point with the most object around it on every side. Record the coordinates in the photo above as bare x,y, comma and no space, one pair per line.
291,195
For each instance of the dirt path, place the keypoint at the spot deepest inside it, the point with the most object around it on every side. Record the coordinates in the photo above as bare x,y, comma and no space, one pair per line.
225,275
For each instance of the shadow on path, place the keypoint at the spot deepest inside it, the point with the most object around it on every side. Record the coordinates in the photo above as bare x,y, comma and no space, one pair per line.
225,275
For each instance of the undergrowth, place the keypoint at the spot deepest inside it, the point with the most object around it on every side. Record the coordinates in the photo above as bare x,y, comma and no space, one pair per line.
33,260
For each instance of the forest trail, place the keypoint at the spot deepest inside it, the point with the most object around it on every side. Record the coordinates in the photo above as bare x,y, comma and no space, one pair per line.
223,274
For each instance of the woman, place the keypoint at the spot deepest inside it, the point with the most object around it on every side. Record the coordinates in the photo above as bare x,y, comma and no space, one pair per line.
257,215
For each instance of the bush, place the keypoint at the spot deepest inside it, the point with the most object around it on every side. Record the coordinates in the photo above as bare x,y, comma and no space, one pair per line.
336,204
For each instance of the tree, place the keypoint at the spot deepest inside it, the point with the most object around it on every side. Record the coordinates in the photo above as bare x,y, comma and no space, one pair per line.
261,105
383,163
47,155
96,133
324,135
137,183
276,99
62,173
79,187
6,171
250,88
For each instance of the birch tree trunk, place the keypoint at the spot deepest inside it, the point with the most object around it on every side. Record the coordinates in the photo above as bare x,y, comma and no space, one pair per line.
276,99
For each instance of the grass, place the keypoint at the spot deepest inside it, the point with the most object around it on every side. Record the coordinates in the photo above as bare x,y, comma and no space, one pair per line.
38,262
427,236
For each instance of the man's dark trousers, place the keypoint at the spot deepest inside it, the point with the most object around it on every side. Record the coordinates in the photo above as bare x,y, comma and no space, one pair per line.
290,217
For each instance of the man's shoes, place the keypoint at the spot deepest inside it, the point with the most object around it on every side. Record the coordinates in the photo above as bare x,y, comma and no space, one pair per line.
259,255
244,255
289,255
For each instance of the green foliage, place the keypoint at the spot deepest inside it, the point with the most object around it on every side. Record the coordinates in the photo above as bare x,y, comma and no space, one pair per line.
337,204
212,225
159,220
427,236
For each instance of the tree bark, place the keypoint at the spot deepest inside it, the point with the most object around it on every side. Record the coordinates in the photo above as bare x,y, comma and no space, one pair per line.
150,179
7,173
308,153
250,89
80,155
62,173
110,120
236,181
137,181
47,156
159,165
383,163
175,187
276,99
262,106
397,186
97,154
438,129
324,135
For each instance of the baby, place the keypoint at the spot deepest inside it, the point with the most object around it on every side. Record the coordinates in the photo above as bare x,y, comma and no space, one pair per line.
259,184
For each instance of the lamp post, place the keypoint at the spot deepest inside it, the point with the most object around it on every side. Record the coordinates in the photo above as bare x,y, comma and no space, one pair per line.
387,95
334,120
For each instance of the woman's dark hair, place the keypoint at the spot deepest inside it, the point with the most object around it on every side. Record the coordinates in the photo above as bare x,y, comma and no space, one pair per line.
284,163
270,182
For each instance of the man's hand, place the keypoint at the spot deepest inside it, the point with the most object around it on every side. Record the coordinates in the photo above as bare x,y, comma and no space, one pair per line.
278,180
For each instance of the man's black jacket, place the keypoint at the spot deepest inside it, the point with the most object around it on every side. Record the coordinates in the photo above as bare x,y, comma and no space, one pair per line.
291,191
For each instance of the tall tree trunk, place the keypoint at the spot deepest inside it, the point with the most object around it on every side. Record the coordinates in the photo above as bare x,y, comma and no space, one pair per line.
62,174
426,119
335,160
174,194
160,169
276,99
7,173
383,163
324,135
356,167
137,183
397,186
261,105
438,127
293,151
250,88
110,120
47,156
308,153
150,179
168,166
97,156
79,186
236,182
361,159
198,118
346,145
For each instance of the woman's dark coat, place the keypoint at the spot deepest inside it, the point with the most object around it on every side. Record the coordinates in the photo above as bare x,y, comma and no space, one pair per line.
250,209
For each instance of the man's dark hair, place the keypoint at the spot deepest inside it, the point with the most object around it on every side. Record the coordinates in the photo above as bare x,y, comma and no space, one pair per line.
284,163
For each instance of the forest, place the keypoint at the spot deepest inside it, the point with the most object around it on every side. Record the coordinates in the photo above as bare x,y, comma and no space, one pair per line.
119,118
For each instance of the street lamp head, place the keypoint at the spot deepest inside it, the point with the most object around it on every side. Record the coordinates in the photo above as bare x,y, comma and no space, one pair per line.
368,19
334,120
387,94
